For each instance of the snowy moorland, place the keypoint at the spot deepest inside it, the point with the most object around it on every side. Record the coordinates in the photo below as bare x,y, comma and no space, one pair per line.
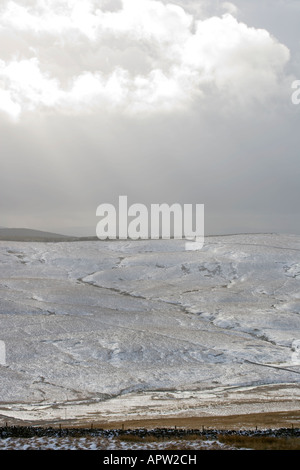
113,330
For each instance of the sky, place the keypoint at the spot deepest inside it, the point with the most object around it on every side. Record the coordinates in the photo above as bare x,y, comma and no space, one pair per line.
180,101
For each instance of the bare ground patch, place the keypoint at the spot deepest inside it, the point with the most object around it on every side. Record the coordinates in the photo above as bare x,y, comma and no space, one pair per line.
270,420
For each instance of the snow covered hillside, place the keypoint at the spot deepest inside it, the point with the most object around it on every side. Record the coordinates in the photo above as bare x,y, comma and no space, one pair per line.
108,330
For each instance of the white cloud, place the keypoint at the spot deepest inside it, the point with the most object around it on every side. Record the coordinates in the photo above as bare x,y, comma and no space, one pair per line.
25,87
242,61
144,57
8,105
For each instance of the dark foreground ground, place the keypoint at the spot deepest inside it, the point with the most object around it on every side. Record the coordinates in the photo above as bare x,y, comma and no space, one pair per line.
160,434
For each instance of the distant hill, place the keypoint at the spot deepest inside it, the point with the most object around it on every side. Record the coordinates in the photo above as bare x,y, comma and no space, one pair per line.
25,234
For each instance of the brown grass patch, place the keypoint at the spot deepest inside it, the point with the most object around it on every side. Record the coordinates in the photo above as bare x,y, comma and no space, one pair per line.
261,443
150,438
271,420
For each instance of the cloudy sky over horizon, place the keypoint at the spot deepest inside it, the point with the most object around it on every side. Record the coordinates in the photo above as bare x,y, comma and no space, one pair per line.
183,101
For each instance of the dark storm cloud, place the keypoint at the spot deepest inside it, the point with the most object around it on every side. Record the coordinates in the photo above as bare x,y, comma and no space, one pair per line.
160,102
